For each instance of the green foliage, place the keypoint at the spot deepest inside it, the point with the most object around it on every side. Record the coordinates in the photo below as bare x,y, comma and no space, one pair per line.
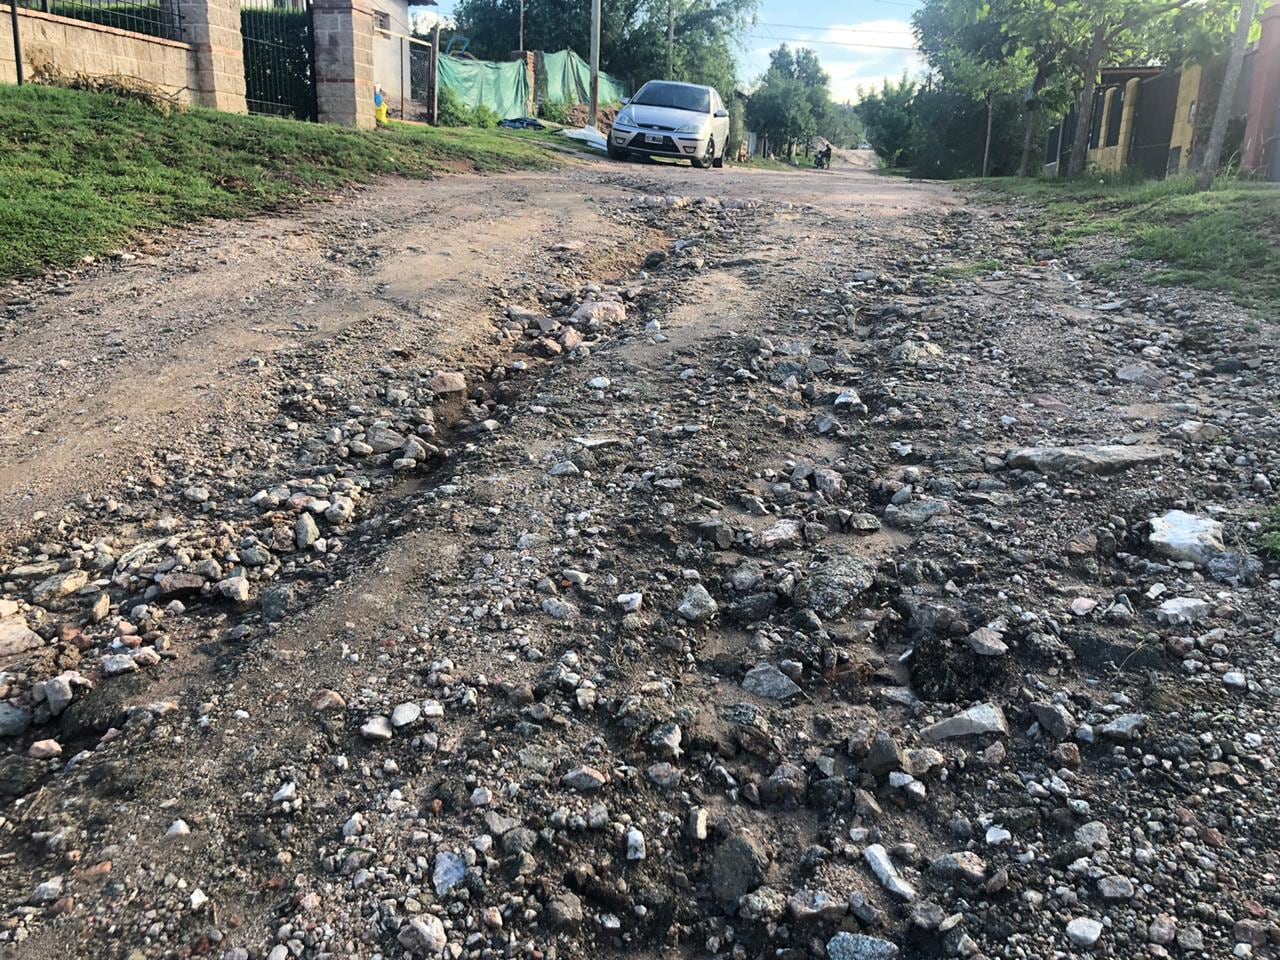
281,70
451,111
948,130
554,111
633,44
792,104
888,117
80,173
1268,541
484,117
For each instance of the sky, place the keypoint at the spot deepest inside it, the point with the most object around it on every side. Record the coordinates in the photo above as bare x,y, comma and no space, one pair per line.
849,37
854,39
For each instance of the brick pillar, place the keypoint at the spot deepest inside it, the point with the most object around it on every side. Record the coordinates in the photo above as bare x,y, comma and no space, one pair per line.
344,62
1264,98
531,72
212,27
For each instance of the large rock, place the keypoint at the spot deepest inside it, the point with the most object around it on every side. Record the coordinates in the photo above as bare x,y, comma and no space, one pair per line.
423,936
697,605
980,719
837,584
59,585
859,946
766,680
877,858
1086,458
13,720
16,637
1185,536
737,868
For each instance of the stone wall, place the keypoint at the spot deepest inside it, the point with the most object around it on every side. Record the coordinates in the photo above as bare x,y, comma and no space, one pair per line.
77,46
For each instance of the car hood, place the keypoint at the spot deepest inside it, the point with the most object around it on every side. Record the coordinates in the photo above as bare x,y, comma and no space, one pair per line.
668,118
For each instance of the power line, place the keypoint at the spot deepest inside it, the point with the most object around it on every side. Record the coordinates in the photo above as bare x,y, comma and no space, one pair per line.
806,26
833,43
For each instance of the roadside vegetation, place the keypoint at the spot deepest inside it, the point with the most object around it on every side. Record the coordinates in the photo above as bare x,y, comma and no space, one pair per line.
80,173
1269,536
1226,239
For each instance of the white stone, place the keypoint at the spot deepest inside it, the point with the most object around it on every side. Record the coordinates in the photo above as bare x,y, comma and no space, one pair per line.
1084,932
1185,536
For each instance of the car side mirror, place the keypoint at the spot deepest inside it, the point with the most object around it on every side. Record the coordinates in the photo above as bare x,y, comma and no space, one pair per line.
721,113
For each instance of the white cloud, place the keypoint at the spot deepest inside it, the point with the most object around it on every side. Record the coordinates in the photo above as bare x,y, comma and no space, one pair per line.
853,54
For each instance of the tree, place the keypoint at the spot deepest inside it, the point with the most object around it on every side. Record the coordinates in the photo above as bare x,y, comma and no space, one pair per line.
1087,33
633,35
970,48
779,110
888,117
1222,115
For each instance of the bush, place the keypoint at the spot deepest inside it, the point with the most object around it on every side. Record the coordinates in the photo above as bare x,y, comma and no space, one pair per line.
453,112
554,111
948,130
484,117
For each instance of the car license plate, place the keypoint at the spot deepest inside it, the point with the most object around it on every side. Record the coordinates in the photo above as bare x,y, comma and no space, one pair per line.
653,138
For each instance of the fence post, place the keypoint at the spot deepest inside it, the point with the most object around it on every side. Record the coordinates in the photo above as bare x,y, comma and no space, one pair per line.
212,27
1264,97
344,62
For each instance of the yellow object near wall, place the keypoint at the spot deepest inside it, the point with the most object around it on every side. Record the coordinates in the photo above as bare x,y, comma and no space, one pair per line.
1184,115
1115,158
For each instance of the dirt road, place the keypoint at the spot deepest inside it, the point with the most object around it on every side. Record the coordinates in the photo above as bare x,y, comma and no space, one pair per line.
633,560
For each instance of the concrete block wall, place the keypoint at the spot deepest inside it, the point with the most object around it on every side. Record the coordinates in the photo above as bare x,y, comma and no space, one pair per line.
76,46
344,62
207,67
212,27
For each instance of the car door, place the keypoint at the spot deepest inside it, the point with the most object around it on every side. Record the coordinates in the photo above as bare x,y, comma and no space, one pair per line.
720,124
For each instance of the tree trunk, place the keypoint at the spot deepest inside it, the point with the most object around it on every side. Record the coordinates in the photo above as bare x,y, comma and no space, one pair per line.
1084,120
986,149
1028,141
1222,115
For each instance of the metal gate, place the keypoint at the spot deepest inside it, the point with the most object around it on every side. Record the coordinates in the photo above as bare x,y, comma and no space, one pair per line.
1153,123
279,57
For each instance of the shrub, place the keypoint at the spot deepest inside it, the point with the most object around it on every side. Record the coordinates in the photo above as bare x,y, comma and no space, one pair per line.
453,112
485,117
554,110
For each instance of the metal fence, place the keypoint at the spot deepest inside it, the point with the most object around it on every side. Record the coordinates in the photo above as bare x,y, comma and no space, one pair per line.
149,17
279,58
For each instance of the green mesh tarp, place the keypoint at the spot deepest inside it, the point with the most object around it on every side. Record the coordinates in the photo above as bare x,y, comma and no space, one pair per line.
565,77
502,87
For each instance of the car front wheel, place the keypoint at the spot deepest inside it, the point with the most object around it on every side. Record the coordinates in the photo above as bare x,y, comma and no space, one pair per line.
708,158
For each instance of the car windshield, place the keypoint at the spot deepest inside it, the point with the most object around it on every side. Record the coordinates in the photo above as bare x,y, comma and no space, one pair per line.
675,96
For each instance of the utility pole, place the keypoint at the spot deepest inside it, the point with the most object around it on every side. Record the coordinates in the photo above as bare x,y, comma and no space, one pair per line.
595,62
671,39
521,47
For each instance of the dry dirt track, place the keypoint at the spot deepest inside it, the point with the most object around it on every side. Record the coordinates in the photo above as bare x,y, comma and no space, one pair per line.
637,643
103,376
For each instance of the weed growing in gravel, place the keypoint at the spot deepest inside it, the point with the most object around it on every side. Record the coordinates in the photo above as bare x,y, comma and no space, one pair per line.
1269,537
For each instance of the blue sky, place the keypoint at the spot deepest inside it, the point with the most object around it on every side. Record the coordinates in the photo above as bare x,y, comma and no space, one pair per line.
851,38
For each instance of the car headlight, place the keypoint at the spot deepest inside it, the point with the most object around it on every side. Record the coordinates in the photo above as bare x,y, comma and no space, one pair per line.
625,117
698,127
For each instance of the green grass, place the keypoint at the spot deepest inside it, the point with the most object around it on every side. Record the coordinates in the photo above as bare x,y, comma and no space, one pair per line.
1269,537
81,173
1226,239
967,271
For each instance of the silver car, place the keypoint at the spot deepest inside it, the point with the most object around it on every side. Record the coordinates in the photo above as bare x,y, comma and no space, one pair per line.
669,119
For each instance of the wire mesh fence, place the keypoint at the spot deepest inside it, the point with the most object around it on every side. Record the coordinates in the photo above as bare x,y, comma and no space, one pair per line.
149,17
278,58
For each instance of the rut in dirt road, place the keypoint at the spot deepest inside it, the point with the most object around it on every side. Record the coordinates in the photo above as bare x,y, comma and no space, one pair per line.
757,575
